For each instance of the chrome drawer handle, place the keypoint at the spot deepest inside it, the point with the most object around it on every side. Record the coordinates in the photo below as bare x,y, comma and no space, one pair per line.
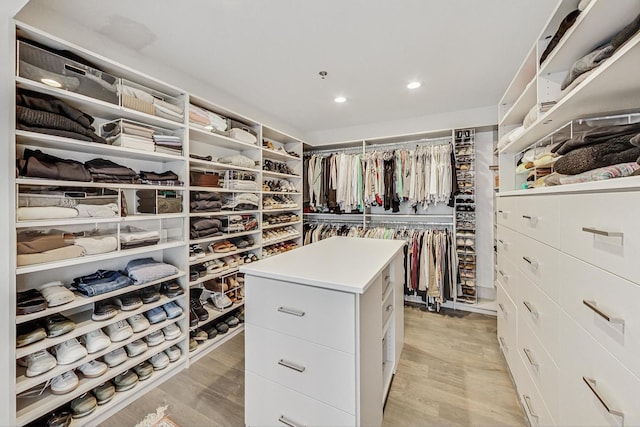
592,385
532,360
602,232
291,311
532,219
386,279
593,306
532,263
503,344
527,401
291,365
286,421
503,275
389,307
531,309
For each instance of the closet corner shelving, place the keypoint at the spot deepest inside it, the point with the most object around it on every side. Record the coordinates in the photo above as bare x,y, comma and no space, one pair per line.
562,252
131,101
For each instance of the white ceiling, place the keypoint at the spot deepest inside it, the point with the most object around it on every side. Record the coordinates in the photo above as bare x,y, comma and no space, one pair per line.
268,53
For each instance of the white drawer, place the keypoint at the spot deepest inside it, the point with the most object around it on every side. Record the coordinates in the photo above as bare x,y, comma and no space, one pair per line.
531,399
583,359
506,326
506,242
270,404
540,366
538,311
505,211
591,295
538,218
323,316
316,371
387,307
539,262
587,218
507,275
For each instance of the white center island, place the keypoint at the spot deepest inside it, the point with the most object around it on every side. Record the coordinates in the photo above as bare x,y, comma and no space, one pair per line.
324,331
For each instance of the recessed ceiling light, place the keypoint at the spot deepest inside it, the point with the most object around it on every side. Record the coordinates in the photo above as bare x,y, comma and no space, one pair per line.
414,85
340,99
51,82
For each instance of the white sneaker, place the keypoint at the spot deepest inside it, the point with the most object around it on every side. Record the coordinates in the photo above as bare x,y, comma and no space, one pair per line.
119,331
171,332
69,351
115,357
138,323
136,347
159,361
173,353
154,338
96,341
56,294
93,369
38,363
64,383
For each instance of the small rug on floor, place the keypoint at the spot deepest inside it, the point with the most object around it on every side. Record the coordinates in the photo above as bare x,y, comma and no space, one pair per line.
157,419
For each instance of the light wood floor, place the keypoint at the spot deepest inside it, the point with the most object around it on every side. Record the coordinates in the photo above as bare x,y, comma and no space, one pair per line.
451,373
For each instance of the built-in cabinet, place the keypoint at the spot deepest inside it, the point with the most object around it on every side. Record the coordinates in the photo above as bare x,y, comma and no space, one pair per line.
157,206
565,271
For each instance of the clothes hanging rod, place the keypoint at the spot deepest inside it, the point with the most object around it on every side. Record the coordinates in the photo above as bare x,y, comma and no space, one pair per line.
334,150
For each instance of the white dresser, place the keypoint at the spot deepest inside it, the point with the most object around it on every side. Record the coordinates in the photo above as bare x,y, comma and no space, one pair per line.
568,317
324,332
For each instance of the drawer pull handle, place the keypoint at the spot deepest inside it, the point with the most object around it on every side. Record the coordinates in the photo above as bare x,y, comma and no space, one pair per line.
506,349
386,278
593,306
527,401
389,307
532,219
291,311
502,309
591,383
530,357
531,309
506,278
291,365
532,263
602,232
286,421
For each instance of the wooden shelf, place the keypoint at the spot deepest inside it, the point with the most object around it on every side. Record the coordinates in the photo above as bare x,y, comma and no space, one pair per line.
217,255
81,221
223,237
210,345
297,208
197,164
280,240
279,175
272,226
520,108
222,190
91,184
218,140
267,153
222,213
214,276
215,314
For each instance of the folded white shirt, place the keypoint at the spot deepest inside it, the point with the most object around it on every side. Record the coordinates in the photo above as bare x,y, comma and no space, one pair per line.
98,211
97,245
49,212
243,136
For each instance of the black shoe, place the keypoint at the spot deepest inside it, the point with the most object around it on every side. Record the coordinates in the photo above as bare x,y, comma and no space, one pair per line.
171,289
30,301
193,318
196,305
212,332
149,295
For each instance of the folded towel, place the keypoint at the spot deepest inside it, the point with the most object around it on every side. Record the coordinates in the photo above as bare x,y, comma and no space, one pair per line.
243,136
97,245
50,256
50,212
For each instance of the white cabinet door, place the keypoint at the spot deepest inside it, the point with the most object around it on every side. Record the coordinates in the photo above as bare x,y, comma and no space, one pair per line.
271,404
506,242
539,262
606,306
507,327
316,371
538,218
602,229
322,316
506,211
507,276
531,399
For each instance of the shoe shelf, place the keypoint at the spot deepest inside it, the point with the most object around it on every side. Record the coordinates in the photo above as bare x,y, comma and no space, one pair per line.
284,193
284,224
220,213
267,242
224,236
30,409
281,210
85,324
124,398
93,258
217,255
96,107
215,313
82,300
45,141
214,276
53,183
279,175
268,153
212,344
197,164
222,190
81,221
218,140
24,383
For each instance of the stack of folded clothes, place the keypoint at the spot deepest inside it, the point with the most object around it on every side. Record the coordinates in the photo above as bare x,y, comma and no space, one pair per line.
205,120
168,178
159,202
102,170
205,227
239,160
124,133
132,237
42,113
167,144
34,247
232,224
140,100
36,164
244,183
40,203
145,270
240,202
100,282
205,201
602,152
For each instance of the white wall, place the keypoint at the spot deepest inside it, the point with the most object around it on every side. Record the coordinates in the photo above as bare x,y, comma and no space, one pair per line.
8,8
38,15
